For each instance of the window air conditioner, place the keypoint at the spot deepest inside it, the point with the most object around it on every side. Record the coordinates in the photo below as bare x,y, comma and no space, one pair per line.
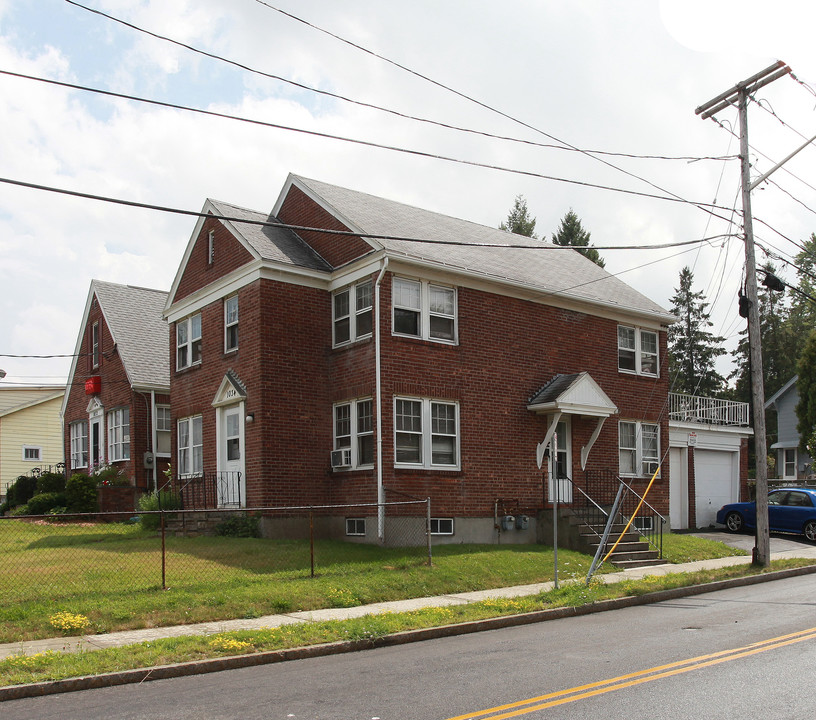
341,458
651,468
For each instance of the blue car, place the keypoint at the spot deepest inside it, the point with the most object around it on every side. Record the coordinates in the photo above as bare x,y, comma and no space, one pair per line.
790,510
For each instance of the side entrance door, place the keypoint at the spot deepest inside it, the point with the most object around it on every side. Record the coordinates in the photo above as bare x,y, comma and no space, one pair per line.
231,476
561,464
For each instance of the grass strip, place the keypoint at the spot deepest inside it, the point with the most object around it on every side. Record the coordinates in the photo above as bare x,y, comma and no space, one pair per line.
23,669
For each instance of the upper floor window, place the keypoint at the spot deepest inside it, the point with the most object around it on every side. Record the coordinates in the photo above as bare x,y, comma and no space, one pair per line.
190,446
637,350
353,312
188,342
426,433
95,345
79,444
424,310
354,430
119,434
638,448
231,323
163,429
211,247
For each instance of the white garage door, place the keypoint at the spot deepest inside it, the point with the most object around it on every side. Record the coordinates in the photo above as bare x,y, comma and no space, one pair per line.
715,481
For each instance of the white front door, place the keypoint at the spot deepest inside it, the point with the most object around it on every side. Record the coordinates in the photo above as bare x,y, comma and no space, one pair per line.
231,479
561,463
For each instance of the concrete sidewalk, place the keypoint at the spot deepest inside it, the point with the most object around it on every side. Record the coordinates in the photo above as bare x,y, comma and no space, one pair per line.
130,637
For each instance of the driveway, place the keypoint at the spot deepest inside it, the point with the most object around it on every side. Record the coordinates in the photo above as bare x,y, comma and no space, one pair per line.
745,541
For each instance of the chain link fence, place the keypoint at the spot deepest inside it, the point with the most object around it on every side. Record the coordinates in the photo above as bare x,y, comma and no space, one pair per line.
60,556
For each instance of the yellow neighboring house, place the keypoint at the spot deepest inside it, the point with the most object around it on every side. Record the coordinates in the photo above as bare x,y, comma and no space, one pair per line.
30,430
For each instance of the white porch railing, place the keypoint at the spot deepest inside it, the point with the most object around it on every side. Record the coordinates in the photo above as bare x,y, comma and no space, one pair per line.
693,408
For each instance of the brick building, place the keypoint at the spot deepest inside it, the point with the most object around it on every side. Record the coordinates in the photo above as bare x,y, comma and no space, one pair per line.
380,347
116,409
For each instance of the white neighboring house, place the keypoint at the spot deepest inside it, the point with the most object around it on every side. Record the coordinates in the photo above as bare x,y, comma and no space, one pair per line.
30,430
792,465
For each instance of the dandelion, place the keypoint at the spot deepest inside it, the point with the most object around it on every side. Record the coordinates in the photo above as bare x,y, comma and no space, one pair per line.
228,644
68,622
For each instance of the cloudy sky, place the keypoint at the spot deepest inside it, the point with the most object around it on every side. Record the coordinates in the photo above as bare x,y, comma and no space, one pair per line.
600,75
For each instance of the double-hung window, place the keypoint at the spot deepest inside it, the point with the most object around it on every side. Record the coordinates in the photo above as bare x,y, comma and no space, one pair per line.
79,444
190,446
426,433
637,350
163,430
353,314
354,429
119,434
188,342
638,448
424,310
231,323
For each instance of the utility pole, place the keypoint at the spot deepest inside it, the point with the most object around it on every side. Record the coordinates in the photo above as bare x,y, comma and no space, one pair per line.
739,95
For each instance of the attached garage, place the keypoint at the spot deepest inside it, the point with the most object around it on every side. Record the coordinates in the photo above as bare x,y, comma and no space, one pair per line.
716,480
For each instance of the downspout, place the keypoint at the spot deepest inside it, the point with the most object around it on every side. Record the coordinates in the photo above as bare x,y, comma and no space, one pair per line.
378,392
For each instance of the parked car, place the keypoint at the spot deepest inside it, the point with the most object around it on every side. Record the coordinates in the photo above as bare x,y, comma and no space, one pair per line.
790,510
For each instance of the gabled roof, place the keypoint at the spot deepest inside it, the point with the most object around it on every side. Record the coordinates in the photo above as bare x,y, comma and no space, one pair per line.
576,394
141,335
549,269
33,397
782,391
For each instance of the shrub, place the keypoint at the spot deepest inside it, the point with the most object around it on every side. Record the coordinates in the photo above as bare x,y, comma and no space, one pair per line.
21,491
43,502
51,482
159,500
109,475
243,526
80,494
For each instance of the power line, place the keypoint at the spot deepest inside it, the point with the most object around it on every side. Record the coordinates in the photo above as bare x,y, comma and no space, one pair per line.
381,146
326,231
702,206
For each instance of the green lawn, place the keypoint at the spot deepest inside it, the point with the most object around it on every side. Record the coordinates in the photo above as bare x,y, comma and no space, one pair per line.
112,574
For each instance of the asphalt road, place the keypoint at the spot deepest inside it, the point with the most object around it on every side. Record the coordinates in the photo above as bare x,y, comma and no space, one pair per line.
692,656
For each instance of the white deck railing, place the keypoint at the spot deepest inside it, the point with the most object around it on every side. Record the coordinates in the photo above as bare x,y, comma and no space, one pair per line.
693,408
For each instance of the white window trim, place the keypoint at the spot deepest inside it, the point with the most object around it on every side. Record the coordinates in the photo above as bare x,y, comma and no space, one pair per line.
424,310
638,350
79,444
353,313
639,454
118,439
27,448
95,345
354,432
439,520
211,247
193,449
356,533
228,325
189,343
426,448
168,430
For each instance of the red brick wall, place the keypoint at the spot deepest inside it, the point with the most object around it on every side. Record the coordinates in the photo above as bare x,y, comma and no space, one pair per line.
229,255
299,209
115,392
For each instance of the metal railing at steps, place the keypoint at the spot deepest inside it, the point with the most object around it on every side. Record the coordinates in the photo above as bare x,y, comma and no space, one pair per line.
593,506
205,491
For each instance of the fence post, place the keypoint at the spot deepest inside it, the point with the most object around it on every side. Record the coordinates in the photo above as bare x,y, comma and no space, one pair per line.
428,530
164,553
311,539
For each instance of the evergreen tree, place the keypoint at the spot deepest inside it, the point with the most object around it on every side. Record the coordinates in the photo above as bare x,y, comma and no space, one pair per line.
806,386
519,220
692,348
572,233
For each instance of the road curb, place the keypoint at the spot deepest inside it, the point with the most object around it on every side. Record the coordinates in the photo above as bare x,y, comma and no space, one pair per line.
198,667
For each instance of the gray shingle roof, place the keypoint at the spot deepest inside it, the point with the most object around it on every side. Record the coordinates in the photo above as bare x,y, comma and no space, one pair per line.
134,317
271,243
550,270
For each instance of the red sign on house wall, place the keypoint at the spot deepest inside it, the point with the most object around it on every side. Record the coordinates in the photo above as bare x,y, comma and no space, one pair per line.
93,385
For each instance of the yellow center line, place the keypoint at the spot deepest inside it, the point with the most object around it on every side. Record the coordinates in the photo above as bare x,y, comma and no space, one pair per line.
600,687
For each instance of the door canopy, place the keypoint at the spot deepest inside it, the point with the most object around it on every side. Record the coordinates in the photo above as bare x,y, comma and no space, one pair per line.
231,390
576,394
